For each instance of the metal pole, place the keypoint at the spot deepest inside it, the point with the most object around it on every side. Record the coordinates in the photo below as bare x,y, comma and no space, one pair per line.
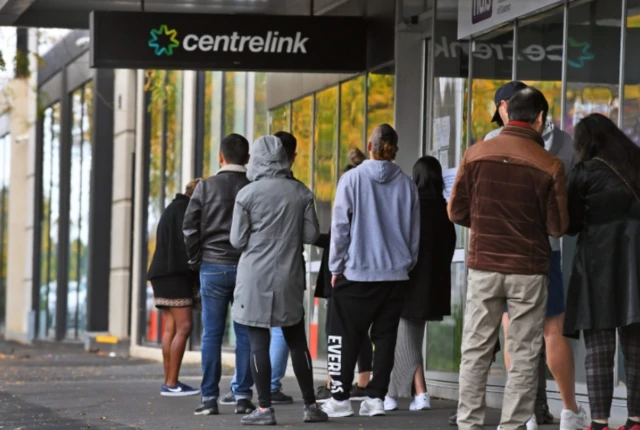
623,48
514,51
563,72
469,93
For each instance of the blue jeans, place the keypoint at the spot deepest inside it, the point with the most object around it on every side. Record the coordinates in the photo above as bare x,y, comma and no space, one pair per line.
279,355
217,283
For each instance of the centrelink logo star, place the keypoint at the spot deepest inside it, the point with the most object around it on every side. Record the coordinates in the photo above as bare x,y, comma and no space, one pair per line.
169,42
583,50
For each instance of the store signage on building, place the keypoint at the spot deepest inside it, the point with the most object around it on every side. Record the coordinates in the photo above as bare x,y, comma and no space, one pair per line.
228,42
475,16
589,58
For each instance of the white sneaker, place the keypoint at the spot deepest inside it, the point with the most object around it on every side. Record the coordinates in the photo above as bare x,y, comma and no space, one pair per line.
390,404
337,409
532,424
421,402
371,407
570,420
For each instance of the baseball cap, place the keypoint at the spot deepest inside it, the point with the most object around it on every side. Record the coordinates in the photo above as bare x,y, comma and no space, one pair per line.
505,92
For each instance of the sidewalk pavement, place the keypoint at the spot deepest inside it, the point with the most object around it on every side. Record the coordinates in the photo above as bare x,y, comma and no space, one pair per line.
53,386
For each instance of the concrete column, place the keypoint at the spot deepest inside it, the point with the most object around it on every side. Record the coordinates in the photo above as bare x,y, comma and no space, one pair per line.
124,132
21,203
188,128
409,98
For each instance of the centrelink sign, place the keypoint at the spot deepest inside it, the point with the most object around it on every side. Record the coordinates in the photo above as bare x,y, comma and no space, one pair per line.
227,42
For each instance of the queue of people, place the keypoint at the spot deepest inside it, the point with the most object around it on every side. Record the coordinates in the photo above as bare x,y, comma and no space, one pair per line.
389,255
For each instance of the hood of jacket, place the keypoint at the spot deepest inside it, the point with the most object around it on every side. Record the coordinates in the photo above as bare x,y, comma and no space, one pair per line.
548,134
380,171
268,159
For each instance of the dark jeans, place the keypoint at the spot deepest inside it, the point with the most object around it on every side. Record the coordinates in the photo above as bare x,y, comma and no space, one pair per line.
296,338
357,307
217,283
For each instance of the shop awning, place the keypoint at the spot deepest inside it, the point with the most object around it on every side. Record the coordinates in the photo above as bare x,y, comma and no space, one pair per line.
75,13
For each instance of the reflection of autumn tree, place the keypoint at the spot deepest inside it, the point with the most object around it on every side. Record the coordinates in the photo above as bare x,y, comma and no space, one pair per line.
301,124
235,103
212,121
483,107
351,118
260,115
326,135
165,145
280,119
380,100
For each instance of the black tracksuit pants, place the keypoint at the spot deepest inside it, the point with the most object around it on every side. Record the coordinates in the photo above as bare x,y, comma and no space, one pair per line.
356,306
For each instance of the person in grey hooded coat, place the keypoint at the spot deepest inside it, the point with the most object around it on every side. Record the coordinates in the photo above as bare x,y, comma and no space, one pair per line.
272,218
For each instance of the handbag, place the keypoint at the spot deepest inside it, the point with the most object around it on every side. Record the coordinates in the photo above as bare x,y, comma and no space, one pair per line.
606,163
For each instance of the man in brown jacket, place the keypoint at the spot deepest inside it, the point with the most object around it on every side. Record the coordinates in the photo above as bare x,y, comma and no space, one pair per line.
511,192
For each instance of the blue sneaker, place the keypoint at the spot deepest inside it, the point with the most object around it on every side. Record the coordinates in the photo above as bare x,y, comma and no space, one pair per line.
179,390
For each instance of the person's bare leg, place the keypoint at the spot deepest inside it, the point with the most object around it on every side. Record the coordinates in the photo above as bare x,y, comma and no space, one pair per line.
182,317
418,380
560,360
363,379
505,328
167,338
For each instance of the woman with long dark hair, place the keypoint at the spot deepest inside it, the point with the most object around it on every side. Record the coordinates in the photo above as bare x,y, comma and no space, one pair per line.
429,294
175,290
604,209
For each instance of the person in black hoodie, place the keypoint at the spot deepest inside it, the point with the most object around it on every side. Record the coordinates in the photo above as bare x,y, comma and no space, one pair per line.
174,290
429,294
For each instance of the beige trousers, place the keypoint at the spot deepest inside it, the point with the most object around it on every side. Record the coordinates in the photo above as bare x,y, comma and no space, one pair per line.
487,293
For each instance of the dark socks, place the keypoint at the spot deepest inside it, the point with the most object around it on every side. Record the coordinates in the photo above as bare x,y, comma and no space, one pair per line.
629,425
598,426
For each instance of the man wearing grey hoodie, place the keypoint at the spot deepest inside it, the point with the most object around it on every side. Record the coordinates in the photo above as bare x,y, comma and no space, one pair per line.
559,354
375,235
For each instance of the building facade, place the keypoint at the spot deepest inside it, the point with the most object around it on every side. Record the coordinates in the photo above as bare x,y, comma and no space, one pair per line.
85,179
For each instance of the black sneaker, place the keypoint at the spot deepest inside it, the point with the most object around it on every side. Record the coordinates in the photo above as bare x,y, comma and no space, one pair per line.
208,407
453,420
228,399
543,416
244,406
313,414
357,392
323,394
280,398
260,418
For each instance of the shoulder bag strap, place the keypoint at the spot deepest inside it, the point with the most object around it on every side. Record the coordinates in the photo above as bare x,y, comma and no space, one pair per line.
619,176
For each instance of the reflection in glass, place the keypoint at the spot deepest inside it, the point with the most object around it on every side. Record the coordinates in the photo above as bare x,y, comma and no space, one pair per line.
380,98
212,122
352,95
592,82
280,119
82,110
49,220
260,112
5,176
301,125
324,161
235,102
165,169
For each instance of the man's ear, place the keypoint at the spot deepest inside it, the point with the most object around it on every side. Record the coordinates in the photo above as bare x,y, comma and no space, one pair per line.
293,158
540,120
221,157
369,147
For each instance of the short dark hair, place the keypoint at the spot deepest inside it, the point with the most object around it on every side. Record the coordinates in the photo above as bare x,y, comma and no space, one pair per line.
235,149
427,174
289,142
526,104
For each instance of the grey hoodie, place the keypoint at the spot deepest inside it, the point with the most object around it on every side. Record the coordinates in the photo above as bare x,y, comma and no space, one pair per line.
272,217
375,230
560,144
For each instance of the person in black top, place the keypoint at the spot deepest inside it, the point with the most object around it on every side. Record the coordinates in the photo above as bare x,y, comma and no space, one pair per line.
174,288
